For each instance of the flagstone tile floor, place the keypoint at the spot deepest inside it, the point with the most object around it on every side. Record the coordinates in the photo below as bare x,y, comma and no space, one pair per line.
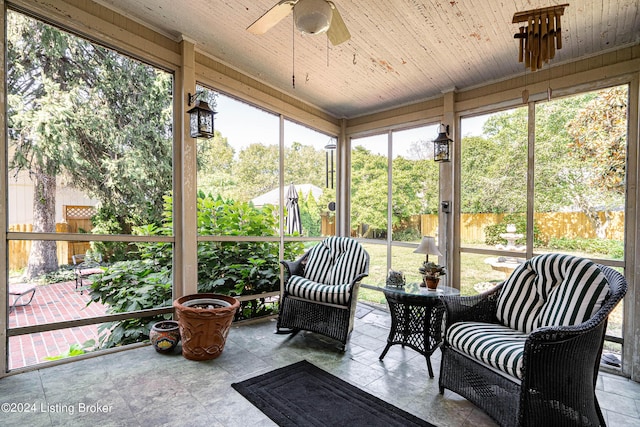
139,387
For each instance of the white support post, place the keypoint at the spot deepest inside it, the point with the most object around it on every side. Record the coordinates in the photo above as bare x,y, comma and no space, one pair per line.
185,180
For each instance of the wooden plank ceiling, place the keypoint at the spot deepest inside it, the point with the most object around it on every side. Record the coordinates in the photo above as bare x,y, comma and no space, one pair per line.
400,51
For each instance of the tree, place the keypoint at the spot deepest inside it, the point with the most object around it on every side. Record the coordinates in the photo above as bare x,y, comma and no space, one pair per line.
215,166
257,171
599,133
368,190
494,166
91,115
580,157
558,175
38,79
310,215
415,188
304,165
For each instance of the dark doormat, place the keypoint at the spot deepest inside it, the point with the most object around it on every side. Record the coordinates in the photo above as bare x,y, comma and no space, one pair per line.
305,395
362,311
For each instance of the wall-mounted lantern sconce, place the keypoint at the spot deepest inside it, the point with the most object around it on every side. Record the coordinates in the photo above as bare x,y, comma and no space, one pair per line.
330,149
441,145
201,117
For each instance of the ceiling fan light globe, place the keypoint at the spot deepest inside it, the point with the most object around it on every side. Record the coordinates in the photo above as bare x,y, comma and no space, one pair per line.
312,16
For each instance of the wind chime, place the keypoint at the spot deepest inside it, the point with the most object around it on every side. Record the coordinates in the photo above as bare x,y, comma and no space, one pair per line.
541,37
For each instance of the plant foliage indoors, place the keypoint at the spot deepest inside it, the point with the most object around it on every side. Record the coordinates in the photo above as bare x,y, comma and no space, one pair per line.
229,268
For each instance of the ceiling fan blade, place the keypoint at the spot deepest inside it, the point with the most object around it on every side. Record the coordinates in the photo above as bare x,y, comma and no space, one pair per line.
274,15
337,32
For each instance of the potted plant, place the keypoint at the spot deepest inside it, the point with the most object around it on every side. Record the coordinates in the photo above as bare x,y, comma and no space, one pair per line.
431,273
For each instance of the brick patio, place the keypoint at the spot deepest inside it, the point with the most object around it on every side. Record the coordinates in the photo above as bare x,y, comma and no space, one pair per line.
52,303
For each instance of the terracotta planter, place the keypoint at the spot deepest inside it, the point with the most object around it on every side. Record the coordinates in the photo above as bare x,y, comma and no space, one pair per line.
430,282
204,321
164,336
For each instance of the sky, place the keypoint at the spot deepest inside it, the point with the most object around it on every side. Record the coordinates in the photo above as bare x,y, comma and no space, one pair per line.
243,124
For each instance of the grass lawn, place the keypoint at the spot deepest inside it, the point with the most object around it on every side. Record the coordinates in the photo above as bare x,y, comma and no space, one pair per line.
474,270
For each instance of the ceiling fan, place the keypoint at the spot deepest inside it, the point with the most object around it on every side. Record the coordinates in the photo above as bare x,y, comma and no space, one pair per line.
310,17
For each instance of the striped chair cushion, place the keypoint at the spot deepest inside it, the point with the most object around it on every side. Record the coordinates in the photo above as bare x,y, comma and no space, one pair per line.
495,345
335,261
304,288
551,289
577,298
519,303
319,262
331,268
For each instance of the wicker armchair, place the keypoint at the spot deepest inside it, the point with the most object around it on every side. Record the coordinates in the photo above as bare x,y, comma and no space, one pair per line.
553,381
321,289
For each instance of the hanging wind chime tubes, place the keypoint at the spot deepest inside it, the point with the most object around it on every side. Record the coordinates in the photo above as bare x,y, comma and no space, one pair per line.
542,36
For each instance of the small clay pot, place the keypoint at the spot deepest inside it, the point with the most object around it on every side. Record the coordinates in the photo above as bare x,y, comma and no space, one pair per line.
164,336
430,282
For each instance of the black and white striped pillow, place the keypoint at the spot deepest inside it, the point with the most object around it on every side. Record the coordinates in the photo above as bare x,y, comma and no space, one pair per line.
551,289
577,298
519,302
335,261
319,263
349,263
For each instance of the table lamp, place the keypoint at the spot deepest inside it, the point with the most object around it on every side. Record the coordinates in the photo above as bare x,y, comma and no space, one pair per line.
428,246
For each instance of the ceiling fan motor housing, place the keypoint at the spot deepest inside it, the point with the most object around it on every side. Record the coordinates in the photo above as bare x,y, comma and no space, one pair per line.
312,16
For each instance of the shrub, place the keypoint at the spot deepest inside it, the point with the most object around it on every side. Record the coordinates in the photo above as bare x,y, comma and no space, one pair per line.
310,216
407,235
64,273
230,268
611,248
128,286
492,232
106,222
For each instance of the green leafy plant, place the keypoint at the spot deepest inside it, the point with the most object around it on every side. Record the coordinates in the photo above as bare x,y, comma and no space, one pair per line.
75,350
63,274
431,269
610,248
229,268
492,232
129,286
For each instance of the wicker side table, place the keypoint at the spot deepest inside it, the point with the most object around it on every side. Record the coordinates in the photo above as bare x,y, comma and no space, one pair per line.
416,318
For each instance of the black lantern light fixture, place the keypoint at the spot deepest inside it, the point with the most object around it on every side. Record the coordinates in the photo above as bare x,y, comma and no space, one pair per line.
441,145
201,117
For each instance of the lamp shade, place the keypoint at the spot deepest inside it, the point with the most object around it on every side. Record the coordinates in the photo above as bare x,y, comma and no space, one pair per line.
312,16
428,246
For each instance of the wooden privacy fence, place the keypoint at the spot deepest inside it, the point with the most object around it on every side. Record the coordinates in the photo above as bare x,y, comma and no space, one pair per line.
327,225
555,224
77,220
19,249
551,224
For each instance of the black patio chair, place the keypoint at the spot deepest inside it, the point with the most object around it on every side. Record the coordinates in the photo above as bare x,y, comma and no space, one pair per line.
321,289
528,351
